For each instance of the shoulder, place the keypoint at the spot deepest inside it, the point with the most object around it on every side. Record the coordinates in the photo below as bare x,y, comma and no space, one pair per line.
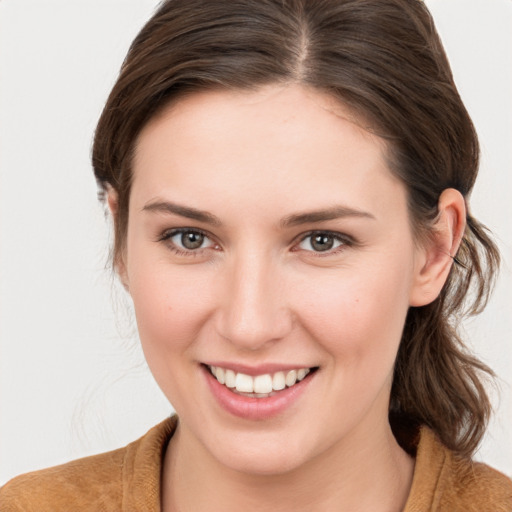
445,482
100,482
474,485
86,481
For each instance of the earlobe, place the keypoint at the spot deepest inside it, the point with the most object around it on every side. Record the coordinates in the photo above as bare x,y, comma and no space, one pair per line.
112,201
435,257
119,264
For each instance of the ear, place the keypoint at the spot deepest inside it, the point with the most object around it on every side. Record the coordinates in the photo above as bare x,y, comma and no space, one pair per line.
119,263
435,255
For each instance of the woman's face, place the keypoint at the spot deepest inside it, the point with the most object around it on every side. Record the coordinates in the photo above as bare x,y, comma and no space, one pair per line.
266,234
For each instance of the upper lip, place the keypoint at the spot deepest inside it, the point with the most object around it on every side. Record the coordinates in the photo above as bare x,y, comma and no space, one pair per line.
259,369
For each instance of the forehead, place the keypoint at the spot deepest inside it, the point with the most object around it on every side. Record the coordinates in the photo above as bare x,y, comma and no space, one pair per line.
281,141
271,107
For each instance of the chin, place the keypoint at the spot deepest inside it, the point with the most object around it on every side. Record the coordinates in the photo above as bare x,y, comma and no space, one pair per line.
260,454
263,463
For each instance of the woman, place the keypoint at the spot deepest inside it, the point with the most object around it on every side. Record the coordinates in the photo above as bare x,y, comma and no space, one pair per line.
288,183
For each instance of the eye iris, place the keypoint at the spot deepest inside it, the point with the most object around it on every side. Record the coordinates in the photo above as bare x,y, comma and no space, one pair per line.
322,242
192,240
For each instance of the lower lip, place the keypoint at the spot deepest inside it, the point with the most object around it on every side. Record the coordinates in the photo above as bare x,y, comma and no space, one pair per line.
256,409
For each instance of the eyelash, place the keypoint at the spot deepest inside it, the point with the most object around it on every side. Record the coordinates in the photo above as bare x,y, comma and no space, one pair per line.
167,235
345,241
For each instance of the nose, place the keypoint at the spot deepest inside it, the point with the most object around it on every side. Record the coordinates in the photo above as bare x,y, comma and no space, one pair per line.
254,311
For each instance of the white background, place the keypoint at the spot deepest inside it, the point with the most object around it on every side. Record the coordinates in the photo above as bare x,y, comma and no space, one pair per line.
72,378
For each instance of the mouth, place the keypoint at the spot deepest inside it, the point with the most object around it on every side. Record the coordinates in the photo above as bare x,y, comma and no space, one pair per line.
261,386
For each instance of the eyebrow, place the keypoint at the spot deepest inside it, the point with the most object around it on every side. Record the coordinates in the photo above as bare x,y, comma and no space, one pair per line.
182,211
336,212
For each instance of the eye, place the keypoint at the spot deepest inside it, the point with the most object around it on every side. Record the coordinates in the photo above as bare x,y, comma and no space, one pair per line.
187,240
323,241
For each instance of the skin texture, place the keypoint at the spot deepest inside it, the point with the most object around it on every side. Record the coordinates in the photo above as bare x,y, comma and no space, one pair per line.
256,292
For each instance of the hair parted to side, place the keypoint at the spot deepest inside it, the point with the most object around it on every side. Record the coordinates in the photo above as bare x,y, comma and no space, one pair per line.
384,60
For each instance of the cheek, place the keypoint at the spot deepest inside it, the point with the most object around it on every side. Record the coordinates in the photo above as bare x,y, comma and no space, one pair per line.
358,317
171,304
170,314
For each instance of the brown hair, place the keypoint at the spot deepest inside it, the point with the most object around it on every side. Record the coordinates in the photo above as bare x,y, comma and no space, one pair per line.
384,60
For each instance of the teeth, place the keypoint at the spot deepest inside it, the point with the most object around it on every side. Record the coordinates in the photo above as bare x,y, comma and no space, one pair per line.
291,378
230,378
300,373
278,381
220,374
244,383
261,385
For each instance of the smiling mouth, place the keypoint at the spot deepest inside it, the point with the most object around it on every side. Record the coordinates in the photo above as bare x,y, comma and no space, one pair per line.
259,386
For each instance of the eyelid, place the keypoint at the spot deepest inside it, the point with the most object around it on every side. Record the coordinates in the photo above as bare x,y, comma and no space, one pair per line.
346,241
167,234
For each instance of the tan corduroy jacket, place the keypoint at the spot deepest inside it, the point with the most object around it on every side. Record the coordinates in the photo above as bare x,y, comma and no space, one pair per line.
128,480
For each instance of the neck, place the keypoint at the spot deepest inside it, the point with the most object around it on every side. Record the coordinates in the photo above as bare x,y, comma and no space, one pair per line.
364,472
